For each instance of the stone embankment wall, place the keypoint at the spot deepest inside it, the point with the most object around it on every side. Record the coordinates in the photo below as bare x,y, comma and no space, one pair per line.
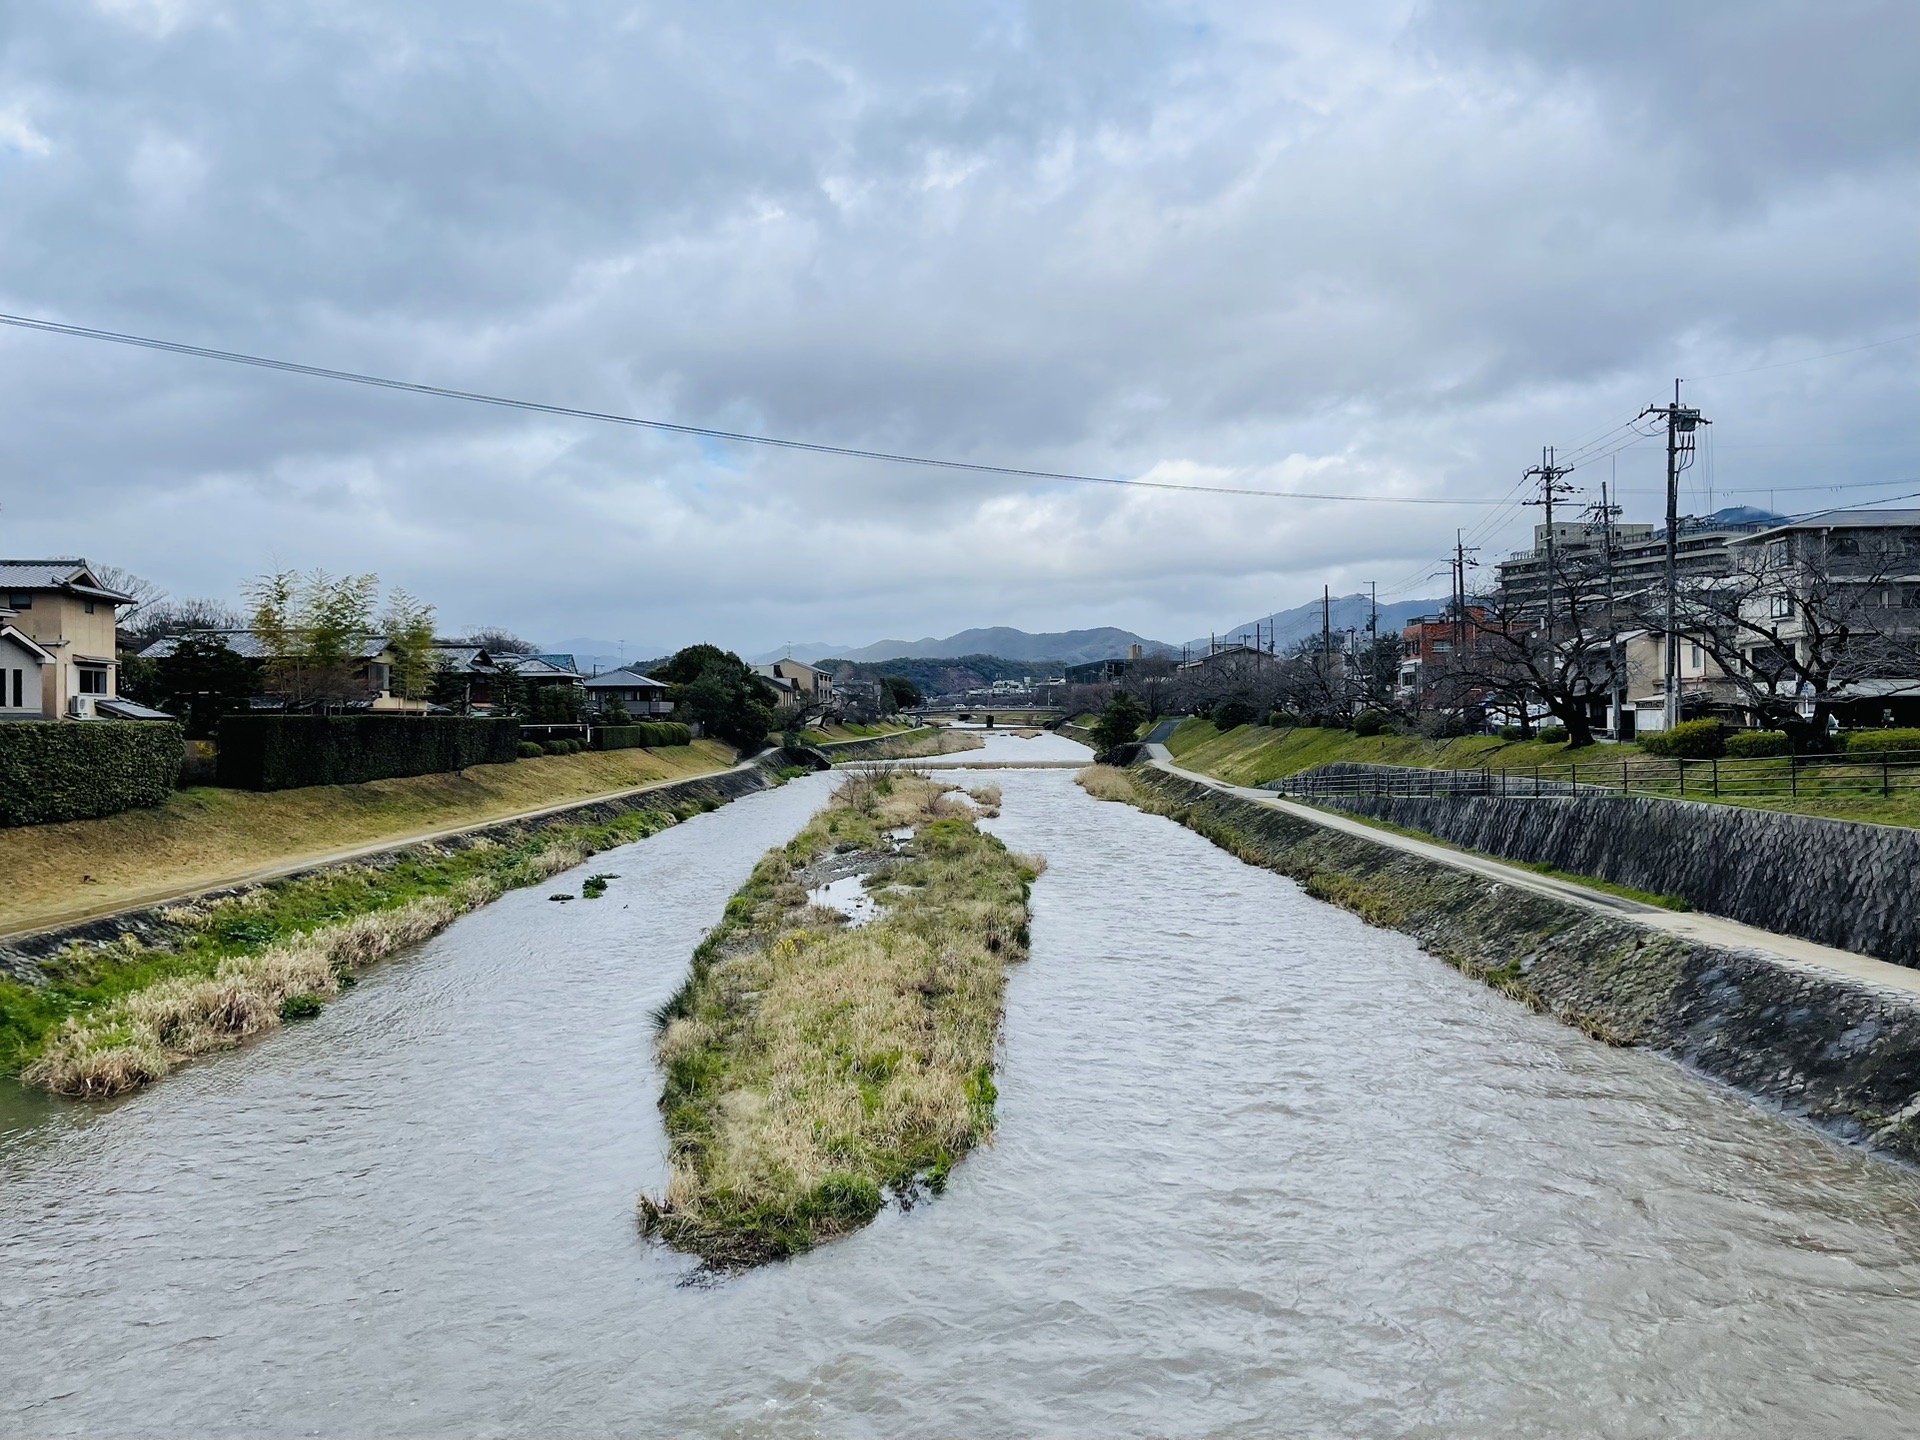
20,955
1840,1052
1838,883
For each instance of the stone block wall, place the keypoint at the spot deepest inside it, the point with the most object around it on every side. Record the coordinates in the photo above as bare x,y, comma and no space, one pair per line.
1836,882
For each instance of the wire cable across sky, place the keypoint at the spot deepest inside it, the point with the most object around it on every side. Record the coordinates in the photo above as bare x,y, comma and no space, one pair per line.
234,357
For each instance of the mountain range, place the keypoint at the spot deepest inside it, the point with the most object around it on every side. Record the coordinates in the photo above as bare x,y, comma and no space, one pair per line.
1069,647
1287,628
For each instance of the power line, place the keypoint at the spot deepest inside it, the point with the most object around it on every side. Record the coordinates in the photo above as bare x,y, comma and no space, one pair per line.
234,357
1808,359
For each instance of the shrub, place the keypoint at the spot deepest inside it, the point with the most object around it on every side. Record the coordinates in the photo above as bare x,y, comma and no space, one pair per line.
83,769
1119,724
1758,744
1443,726
1553,735
283,752
303,1006
1371,722
1689,740
646,734
1876,742
531,749
1283,720
1512,732
1233,714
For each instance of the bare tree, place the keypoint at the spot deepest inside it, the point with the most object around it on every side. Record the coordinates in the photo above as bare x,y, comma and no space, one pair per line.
1517,659
496,641
144,593
165,617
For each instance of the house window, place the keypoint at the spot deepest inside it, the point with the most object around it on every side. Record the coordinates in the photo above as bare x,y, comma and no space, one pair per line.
93,682
1698,664
19,602
89,607
1780,606
19,701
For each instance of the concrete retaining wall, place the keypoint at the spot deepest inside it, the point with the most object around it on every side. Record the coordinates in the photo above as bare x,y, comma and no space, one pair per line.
1840,1052
1843,884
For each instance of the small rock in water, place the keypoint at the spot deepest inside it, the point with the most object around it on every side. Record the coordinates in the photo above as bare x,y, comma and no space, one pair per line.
563,895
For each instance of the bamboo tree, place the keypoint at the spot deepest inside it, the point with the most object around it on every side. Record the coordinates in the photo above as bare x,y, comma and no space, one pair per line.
408,624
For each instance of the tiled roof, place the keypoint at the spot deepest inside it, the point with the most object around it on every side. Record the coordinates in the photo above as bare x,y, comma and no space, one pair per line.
70,574
625,680
245,642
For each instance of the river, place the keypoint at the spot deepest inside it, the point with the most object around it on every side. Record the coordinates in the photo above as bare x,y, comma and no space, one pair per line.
1261,1171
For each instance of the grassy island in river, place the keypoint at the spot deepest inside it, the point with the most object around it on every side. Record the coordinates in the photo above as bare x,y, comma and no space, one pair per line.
814,1063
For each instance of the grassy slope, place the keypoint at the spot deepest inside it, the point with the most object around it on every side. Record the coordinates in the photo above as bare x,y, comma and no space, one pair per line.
112,1020
810,1065
1252,754
204,836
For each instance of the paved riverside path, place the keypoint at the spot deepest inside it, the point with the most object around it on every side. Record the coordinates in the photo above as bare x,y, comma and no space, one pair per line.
1788,950
295,864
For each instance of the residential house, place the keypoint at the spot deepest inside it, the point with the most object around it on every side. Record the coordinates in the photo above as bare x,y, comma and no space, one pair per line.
369,665
813,686
483,676
1705,689
57,657
641,696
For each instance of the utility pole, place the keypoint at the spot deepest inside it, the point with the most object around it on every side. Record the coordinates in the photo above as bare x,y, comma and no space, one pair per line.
1553,484
1604,513
1326,639
1682,423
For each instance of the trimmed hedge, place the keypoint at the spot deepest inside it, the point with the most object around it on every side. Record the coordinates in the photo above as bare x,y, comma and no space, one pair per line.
1758,744
80,770
645,734
1689,740
1877,742
286,752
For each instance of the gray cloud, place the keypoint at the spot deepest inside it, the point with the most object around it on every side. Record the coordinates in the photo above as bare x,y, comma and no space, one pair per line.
1352,247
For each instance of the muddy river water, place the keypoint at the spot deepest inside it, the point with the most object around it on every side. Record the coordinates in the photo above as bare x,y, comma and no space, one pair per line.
1261,1171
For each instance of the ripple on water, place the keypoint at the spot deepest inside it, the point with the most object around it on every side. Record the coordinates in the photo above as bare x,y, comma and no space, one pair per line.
1260,1170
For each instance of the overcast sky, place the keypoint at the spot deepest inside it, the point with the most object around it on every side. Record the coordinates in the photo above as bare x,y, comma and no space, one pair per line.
1349,247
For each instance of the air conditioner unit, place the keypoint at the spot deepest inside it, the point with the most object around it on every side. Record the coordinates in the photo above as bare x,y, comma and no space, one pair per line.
80,707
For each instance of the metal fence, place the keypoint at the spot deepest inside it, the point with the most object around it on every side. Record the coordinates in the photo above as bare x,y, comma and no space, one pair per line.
1787,777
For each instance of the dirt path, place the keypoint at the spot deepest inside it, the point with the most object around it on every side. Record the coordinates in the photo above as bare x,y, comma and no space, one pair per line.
1707,929
122,900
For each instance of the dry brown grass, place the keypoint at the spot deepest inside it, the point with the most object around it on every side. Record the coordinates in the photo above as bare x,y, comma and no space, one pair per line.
811,1067
206,837
142,1036
1107,782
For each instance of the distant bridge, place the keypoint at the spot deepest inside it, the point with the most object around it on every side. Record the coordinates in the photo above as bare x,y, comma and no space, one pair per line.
1014,715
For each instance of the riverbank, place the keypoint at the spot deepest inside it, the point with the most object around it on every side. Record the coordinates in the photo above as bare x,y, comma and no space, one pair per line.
205,836
1251,755
815,1062
102,1017
1818,1043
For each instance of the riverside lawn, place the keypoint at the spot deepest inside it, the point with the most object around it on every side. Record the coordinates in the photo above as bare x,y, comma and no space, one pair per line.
112,1020
812,1065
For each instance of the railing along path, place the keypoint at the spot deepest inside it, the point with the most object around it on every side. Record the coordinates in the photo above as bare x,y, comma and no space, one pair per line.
1785,776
